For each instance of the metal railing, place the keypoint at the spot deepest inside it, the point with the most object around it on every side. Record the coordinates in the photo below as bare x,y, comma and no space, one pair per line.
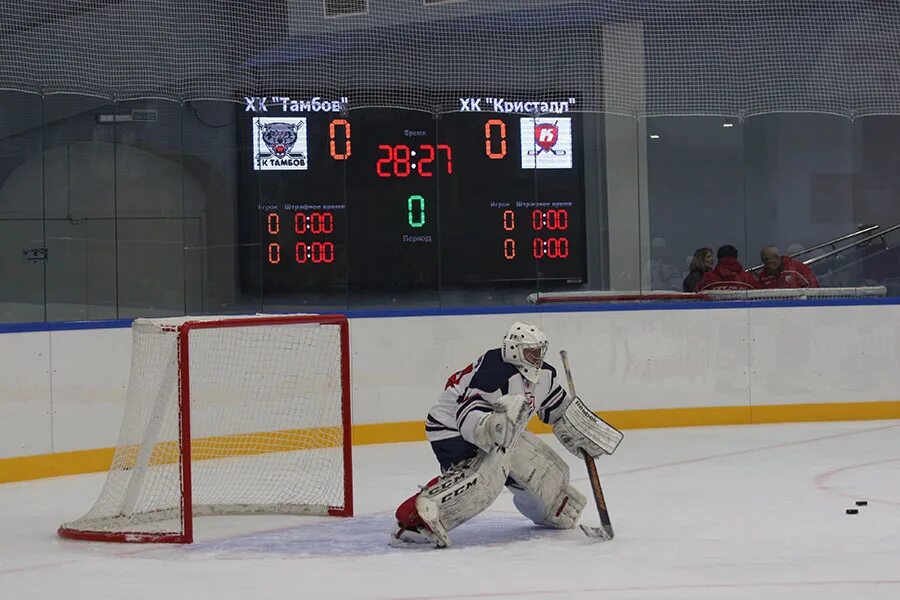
836,251
833,243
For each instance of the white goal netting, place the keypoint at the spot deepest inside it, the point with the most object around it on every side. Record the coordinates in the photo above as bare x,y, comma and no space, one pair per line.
634,57
267,427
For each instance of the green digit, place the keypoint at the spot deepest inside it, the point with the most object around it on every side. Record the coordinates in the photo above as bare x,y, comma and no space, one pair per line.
416,220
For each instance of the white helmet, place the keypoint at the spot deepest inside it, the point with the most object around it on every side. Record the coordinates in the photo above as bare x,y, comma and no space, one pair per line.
524,346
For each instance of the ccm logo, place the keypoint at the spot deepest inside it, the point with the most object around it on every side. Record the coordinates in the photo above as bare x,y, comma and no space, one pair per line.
444,486
458,491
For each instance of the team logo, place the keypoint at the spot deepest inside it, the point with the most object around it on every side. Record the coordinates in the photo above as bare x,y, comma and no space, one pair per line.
546,143
546,136
279,143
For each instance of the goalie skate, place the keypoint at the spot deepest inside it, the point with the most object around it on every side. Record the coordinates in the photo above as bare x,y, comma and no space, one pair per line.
418,538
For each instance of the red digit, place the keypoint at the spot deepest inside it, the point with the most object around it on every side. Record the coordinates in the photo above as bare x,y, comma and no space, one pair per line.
552,248
273,223
509,220
424,161
446,148
328,252
274,253
509,248
331,144
401,161
300,253
537,220
315,222
327,222
563,218
299,223
384,161
537,247
552,221
563,247
487,139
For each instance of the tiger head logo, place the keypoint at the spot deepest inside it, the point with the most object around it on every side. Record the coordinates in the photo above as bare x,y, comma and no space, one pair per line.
280,137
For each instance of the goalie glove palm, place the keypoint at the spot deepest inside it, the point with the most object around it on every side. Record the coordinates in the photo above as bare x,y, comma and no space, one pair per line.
501,428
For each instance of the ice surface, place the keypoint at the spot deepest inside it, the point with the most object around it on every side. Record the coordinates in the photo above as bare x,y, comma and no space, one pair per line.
700,513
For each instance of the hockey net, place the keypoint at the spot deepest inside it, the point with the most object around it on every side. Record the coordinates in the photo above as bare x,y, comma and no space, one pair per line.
616,296
227,416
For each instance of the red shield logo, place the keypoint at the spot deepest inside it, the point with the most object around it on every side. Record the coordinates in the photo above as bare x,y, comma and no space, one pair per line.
546,135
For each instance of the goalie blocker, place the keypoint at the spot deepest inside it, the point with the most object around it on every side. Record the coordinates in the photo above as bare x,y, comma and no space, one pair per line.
580,429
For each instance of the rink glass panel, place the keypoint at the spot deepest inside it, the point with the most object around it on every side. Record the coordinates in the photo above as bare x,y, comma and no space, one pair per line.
152,208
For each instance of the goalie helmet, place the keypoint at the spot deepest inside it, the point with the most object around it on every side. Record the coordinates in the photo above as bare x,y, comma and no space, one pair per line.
525,346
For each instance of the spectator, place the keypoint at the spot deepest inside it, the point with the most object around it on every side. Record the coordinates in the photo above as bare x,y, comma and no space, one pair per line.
783,271
728,273
663,274
701,262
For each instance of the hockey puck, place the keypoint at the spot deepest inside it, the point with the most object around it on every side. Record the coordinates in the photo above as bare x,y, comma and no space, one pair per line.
862,502
852,511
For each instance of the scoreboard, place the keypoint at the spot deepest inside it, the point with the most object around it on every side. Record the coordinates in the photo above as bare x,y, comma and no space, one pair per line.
382,198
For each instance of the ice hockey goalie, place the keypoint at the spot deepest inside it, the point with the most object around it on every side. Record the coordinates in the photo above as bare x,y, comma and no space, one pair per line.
477,432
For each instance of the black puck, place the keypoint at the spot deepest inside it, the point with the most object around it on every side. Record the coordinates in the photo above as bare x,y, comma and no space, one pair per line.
852,511
862,502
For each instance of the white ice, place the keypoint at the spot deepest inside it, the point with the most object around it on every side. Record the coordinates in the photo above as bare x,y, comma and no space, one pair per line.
699,513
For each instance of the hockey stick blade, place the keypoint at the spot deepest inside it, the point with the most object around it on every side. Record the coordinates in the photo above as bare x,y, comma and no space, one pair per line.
601,532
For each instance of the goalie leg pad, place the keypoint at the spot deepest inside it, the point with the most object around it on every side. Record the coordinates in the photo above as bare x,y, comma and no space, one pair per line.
562,512
540,484
580,429
461,493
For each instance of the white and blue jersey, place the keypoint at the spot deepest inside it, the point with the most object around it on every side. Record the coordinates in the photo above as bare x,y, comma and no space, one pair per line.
470,393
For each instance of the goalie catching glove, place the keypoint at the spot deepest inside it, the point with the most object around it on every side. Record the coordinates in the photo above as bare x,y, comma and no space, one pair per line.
580,429
501,428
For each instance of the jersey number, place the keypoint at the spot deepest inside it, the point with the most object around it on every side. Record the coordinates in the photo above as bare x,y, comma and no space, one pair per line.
457,377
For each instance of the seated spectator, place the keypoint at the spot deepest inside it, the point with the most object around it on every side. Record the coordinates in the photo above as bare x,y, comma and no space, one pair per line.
701,262
784,271
728,273
663,274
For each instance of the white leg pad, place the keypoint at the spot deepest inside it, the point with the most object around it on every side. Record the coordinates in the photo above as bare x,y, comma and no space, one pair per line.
541,490
461,493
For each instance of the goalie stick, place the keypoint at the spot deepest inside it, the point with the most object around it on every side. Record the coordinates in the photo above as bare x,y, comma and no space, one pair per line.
605,531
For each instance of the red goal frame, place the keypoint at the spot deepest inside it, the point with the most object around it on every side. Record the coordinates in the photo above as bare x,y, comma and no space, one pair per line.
184,442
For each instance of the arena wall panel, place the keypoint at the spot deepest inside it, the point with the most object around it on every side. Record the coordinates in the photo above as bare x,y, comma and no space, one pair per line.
62,390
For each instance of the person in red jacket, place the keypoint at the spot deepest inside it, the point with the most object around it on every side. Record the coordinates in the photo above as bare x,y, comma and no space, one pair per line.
783,271
728,274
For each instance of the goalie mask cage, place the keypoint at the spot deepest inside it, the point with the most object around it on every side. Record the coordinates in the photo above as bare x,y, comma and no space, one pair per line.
243,415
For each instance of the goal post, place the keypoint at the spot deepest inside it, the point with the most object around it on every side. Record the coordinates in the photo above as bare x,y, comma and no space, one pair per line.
227,415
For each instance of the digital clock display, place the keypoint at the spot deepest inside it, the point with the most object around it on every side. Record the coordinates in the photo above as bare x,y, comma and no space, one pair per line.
388,199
